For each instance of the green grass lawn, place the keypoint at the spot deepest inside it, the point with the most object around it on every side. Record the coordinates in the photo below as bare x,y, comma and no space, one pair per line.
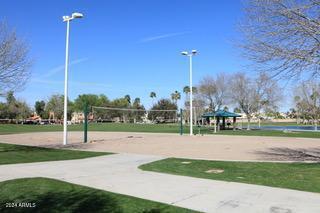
50,195
299,176
10,154
272,133
269,123
151,128
109,127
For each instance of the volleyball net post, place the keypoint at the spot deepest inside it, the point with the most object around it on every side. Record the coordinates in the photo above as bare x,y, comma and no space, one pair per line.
85,123
181,122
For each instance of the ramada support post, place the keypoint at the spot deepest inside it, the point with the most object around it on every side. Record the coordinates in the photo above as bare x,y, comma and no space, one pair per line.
223,123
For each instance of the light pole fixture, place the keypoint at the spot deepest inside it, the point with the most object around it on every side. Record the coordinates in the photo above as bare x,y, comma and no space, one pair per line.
67,19
190,55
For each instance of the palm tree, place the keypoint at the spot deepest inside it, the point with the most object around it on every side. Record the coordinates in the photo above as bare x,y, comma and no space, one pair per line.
153,95
186,91
128,98
137,101
194,90
175,96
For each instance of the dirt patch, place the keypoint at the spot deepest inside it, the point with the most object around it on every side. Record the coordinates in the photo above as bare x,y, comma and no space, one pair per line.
214,171
186,162
212,147
131,136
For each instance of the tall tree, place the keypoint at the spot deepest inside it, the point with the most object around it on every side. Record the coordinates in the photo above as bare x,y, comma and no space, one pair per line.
103,100
251,95
214,91
128,98
195,90
55,105
122,114
175,96
282,36
10,98
168,111
153,95
14,60
237,110
39,107
186,91
23,110
90,100
307,101
14,109
3,110
138,115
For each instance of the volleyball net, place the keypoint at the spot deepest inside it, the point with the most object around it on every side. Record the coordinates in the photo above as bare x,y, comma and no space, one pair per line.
112,119
133,115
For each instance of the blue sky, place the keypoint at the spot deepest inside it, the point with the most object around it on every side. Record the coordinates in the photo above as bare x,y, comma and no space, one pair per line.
125,47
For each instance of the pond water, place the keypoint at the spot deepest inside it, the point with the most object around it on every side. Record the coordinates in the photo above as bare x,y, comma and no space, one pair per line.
292,128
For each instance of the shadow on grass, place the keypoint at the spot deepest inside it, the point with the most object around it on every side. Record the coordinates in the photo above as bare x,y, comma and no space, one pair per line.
73,201
17,148
5,148
287,154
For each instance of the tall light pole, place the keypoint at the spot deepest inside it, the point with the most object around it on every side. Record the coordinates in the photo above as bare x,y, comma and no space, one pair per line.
190,55
67,19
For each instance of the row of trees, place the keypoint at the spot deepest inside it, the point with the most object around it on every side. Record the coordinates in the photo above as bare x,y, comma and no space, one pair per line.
103,109
134,110
55,105
246,94
13,108
255,95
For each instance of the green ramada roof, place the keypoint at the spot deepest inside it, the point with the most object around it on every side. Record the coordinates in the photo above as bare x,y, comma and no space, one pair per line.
220,113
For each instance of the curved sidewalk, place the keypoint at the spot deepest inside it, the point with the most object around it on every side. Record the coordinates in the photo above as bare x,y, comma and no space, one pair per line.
119,173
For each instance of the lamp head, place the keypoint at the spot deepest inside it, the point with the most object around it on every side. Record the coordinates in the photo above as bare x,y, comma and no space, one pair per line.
184,53
65,18
194,52
77,15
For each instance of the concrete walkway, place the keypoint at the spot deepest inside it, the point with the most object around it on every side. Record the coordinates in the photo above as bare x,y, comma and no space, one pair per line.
119,173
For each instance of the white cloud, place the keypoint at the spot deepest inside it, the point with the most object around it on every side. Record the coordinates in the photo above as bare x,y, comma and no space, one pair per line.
168,35
76,83
60,68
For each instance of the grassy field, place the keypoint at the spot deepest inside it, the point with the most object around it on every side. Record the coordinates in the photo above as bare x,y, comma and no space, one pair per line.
268,123
151,128
10,154
50,195
299,176
111,127
272,133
